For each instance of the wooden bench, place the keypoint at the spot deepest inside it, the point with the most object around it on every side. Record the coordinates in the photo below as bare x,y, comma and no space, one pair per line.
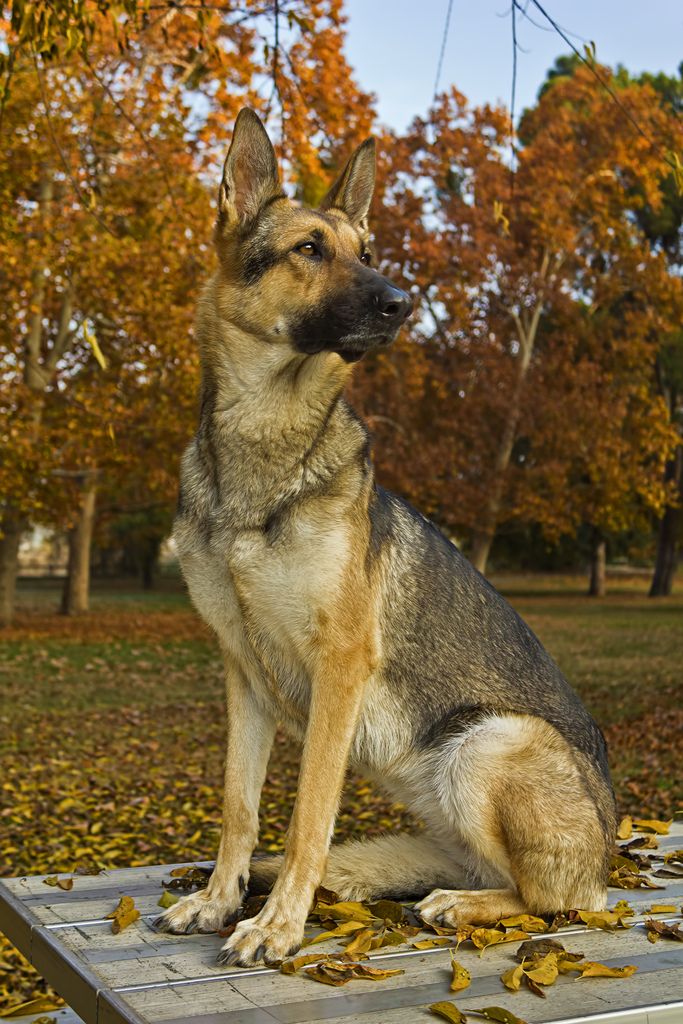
142,977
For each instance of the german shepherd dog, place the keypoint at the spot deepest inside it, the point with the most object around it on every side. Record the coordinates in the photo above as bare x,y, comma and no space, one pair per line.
345,615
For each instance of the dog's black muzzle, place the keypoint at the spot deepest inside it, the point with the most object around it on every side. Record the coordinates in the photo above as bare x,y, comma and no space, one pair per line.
366,315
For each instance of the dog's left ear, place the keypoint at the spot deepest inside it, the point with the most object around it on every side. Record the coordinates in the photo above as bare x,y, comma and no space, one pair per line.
250,175
352,191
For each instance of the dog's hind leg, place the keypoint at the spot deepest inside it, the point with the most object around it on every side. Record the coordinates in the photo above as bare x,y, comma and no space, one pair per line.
383,867
536,815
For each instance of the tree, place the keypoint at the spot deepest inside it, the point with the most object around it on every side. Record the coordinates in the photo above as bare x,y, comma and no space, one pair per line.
123,113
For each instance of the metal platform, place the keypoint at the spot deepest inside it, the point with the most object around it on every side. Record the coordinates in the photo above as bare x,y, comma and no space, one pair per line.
142,977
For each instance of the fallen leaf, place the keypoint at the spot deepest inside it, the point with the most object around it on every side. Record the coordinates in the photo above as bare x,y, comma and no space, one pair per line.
660,929
485,937
123,915
538,947
543,971
39,1005
433,943
590,969
625,830
449,1011
361,942
608,920
295,964
345,928
62,883
661,828
168,900
339,973
461,976
662,908
499,1014
623,908
387,910
348,911
527,922
512,979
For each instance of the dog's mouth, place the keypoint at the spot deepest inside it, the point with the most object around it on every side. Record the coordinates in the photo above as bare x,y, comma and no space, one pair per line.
352,353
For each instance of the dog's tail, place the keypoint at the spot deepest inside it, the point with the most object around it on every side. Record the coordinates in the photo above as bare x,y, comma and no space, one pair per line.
386,867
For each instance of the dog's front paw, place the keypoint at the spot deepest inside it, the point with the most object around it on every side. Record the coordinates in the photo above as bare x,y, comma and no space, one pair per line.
201,911
271,936
446,907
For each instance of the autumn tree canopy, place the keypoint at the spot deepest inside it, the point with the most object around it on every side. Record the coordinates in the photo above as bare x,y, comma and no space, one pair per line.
534,385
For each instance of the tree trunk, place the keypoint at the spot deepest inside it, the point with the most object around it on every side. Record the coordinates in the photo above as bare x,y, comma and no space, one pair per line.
76,592
669,532
10,535
526,323
598,562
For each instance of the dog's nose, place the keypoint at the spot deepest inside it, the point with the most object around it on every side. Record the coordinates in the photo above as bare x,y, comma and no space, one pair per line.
394,303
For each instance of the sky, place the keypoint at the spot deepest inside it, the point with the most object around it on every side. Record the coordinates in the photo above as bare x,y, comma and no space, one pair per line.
394,46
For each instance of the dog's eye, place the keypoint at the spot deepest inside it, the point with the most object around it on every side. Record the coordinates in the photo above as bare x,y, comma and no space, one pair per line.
366,257
309,249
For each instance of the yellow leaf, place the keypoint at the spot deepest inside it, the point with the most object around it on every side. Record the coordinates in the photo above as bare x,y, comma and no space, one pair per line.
485,937
292,966
345,928
432,943
168,900
662,908
625,830
39,1005
349,911
512,979
661,828
525,921
449,1011
124,915
360,943
461,976
544,971
94,345
591,969
608,920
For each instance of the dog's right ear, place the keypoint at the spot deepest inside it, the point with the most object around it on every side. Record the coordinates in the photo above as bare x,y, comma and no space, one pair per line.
250,174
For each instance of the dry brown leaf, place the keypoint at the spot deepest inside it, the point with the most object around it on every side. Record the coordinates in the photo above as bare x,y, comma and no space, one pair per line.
297,962
449,1011
337,973
461,976
660,929
124,914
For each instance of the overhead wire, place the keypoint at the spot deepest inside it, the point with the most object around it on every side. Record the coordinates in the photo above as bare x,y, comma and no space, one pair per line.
442,53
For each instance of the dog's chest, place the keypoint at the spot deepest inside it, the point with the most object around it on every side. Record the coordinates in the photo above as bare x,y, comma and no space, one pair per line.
267,595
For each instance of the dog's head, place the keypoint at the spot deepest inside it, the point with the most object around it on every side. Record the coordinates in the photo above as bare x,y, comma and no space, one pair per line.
296,276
